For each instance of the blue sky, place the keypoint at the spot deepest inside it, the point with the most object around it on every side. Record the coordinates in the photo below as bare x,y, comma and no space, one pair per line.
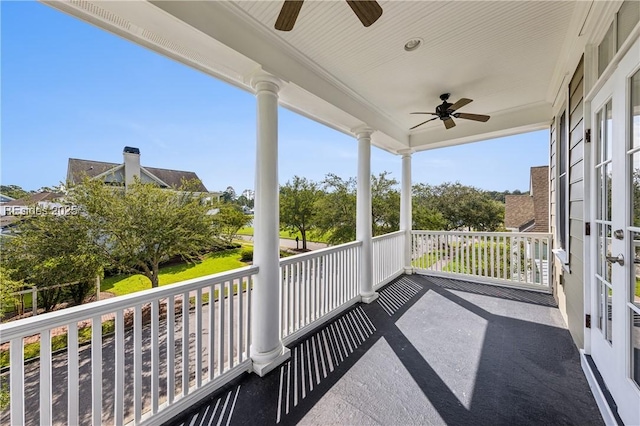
70,90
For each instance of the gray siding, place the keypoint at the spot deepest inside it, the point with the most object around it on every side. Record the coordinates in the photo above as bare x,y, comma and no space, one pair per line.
569,289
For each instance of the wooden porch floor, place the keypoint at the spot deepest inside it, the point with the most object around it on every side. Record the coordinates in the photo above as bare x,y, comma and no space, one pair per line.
428,351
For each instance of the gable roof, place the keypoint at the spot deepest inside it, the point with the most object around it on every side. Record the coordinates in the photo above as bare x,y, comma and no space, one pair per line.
78,169
33,199
540,195
518,211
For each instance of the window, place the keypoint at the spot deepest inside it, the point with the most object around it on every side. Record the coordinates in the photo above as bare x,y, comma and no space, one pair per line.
562,188
625,20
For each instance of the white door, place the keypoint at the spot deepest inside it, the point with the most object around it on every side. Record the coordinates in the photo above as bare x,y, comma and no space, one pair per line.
615,329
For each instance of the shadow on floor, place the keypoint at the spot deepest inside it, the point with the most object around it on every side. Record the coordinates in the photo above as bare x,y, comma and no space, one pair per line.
428,351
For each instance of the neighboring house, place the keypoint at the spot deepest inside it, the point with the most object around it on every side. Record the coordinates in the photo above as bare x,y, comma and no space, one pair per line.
5,199
530,212
13,211
42,201
125,173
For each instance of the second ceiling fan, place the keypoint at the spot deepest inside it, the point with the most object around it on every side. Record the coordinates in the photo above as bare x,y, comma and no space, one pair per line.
447,111
367,11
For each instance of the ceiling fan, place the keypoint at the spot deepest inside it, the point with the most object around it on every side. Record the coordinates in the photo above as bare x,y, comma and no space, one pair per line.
447,111
368,11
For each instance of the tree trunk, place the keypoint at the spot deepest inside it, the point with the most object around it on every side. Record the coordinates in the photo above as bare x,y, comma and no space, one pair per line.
154,275
304,239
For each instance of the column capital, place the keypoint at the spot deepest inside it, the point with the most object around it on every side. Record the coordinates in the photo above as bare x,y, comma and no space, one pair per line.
406,152
262,80
363,131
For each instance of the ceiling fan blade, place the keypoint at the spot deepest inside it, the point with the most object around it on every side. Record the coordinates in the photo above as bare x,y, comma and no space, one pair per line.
474,117
368,11
288,15
431,119
449,123
430,113
462,102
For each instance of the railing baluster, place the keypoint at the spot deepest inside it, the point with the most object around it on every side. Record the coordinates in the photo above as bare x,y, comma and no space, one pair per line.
155,355
17,381
211,354
198,334
137,363
96,369
221,328
171,349
230,327
118,390
45,378
240,325
73,409
185,344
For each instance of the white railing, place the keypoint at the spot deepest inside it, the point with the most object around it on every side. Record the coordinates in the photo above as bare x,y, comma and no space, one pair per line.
160,351
506,258
317,285
388,257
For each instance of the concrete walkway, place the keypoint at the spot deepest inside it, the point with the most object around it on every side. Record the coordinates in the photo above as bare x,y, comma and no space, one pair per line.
289,243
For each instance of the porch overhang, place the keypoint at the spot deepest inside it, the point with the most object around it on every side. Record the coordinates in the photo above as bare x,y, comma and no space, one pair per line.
507,56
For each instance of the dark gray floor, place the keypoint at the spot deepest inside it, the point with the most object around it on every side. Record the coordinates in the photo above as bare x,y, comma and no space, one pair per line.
429,351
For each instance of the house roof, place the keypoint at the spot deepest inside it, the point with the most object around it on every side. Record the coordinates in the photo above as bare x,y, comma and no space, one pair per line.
518,211
530,211
33,199
78,169
540,195
510,57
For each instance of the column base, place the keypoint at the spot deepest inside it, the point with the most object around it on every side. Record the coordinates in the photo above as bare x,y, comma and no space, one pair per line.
408,270
369,298
261,368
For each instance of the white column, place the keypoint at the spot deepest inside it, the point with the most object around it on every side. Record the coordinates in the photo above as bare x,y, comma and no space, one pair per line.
267,350
405,208
363,214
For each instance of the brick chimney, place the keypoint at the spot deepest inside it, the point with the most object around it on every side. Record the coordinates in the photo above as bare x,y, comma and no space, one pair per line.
131,164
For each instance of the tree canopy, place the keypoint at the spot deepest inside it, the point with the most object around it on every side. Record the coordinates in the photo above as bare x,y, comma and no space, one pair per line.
141,227
298,209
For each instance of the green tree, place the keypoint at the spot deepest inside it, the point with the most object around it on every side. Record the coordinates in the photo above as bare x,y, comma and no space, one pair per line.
460,206
49,250
228,221
141,227
385,204
13,191
298,200
8,286
336,209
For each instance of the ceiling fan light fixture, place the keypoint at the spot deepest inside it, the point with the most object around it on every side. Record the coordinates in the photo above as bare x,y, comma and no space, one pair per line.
413,44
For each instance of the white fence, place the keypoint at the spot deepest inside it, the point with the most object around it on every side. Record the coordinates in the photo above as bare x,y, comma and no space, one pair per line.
388,257
506,258
165,347
317,285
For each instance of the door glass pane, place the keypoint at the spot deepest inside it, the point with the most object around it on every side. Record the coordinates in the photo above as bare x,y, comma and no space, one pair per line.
635,189
607,190
635,346
635,111
608,242
609,131
635,274
609,317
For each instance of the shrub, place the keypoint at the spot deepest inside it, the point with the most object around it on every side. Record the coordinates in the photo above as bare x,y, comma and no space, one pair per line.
246,255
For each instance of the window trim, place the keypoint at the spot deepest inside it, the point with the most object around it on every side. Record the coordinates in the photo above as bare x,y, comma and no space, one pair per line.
562,131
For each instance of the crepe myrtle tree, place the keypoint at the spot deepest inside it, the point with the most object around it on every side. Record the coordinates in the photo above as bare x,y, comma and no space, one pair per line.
138,228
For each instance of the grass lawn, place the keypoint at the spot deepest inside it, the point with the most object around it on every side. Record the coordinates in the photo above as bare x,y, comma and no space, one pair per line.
311,236
212,264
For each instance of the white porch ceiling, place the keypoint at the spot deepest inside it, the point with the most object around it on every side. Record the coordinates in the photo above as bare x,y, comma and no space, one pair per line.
506,55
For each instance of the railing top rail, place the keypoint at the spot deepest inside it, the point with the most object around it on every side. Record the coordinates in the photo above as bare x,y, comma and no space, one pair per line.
389,235
317,253
472,233
35,324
